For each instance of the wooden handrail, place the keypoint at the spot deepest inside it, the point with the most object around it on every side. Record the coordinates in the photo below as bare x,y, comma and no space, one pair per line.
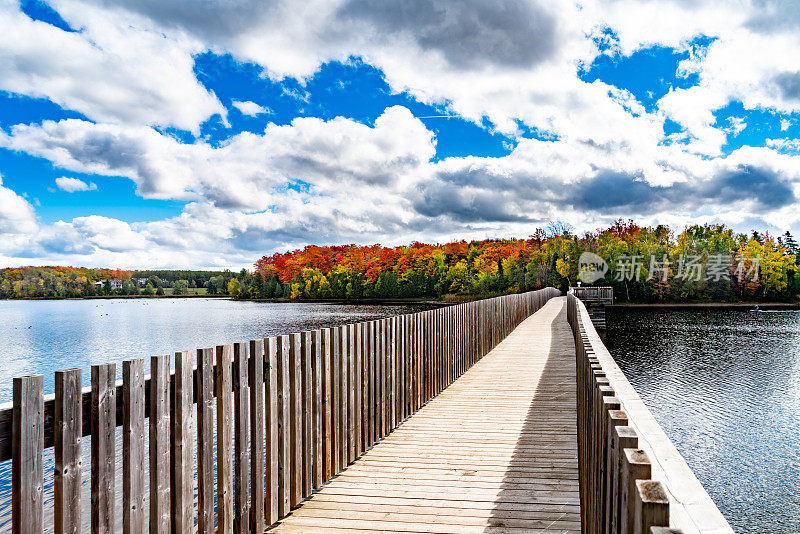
589,293
321,397
630,472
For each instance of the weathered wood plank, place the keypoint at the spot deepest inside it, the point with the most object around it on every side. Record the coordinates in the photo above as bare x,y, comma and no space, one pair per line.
358,375
225,513
351,394
651,508
307,448
159,445
241,423
336,401
182,456
257,419
383,381
295,419
344,357
371,359
271,424
327,412
317,407
133,447
104,424
635,466
284,435
67,450
27,444
204,388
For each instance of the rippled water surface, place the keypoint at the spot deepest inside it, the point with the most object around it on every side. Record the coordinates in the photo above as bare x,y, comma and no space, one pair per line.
725,386
40,337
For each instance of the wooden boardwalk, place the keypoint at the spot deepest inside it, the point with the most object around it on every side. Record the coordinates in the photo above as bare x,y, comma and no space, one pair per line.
494,452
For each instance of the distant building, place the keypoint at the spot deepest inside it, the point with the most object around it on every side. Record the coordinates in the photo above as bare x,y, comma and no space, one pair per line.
115,283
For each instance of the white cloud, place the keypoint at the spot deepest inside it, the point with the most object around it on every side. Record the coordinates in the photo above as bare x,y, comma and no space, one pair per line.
251,109
786,145
17,216
113,70
71,185
587,185
248,170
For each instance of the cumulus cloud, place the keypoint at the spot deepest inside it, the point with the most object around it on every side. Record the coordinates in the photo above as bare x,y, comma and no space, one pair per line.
17,216
113,70
246,171
468,34
250,109
71,185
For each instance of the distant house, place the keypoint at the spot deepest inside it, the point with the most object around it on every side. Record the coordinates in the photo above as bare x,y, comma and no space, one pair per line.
141,281
115,283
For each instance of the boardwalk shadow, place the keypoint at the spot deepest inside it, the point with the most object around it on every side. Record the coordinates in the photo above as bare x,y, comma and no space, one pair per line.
539,490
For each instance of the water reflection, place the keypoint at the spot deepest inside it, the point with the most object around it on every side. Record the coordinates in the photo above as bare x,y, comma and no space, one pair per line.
725,386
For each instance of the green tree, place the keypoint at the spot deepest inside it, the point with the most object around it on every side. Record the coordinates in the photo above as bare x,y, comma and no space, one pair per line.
180,287
211,287
324,288
234,288
459,279
386,286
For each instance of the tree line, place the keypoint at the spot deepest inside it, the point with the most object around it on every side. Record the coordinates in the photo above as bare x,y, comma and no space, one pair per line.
643,264
722,265
78,282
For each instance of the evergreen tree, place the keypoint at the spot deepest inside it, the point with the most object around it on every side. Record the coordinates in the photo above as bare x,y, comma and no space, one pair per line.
790,243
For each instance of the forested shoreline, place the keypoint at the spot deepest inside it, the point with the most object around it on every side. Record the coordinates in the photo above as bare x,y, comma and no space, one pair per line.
82,282
708,263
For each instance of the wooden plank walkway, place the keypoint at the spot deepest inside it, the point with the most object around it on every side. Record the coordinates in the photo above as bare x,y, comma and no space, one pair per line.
494,452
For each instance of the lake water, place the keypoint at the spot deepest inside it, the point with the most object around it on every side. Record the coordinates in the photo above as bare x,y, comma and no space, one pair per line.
40,337
725,386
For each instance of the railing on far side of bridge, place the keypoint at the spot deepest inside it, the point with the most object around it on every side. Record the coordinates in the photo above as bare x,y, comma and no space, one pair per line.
594,293
283,414
632,478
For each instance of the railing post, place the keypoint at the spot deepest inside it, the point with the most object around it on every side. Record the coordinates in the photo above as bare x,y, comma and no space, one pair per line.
652,506
317,407
133,447
224,437
272,412
104,424
635,466
624,437
284,431
257,473
295,423
204,388
159,447
27,444
68,430
182,484
307,375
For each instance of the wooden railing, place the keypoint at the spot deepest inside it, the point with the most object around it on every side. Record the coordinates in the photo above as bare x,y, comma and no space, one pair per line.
632,478
590,293
291,412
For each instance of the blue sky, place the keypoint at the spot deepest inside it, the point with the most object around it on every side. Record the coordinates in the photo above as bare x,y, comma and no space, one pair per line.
141,135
